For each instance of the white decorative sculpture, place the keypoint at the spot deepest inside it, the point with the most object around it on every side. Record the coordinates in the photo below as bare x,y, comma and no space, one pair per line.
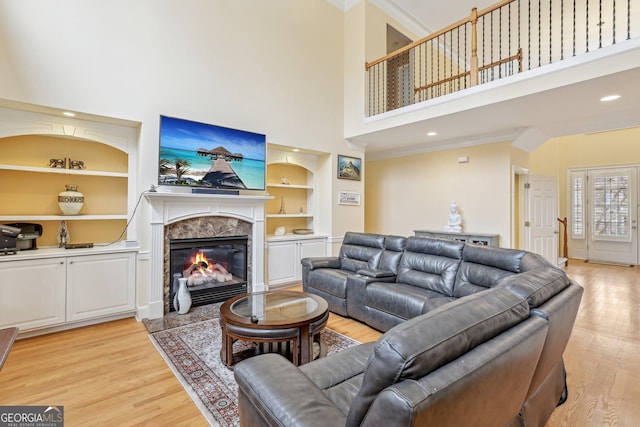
454,222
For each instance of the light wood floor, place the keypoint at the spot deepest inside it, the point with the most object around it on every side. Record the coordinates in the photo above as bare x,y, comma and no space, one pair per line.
110,374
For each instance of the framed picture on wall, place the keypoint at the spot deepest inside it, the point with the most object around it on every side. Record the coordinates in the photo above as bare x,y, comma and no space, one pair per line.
349,167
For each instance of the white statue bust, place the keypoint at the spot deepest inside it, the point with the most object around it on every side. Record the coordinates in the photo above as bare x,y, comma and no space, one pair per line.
454,222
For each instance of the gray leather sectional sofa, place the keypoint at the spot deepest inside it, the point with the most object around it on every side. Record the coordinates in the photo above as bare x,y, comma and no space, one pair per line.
474,336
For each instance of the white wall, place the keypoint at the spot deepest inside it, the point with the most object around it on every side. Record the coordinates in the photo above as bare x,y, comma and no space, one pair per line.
271,67
414,192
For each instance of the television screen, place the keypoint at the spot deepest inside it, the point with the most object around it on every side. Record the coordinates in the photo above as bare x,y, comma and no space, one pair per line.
194,154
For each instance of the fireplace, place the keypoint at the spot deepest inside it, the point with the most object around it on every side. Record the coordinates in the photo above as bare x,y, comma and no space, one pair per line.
215,267
188,216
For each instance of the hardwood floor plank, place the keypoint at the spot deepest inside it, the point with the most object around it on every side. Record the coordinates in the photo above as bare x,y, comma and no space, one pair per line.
111,374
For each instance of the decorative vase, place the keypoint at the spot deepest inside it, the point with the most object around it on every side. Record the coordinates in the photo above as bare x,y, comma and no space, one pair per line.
176,283
71,200
182,298
63,234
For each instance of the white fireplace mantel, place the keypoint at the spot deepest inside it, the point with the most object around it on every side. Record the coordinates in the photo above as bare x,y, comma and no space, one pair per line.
167,208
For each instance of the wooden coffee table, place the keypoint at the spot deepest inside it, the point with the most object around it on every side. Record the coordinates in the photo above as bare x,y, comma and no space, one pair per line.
273,317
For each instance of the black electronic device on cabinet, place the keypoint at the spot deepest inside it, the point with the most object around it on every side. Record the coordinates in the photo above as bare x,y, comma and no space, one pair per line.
26,238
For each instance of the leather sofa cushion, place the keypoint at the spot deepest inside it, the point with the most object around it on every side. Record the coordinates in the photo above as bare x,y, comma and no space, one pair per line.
331,281
361,251
502,258
403,301
421,345
340,376
430,264
473,278
537,286
393,250
395,243
484,267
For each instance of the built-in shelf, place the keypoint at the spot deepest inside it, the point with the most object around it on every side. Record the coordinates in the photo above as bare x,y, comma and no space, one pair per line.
63,171
60,217
304,187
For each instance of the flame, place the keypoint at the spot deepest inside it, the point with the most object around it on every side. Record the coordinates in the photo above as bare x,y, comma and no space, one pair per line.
200,257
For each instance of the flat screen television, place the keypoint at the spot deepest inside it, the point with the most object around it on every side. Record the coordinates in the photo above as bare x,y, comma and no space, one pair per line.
201,155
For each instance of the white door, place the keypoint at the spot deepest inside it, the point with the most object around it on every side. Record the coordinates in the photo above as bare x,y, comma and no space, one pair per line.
612,205
541,216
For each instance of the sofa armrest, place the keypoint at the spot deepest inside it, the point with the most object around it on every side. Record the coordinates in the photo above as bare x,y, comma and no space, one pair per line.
321,262
376,274
272,391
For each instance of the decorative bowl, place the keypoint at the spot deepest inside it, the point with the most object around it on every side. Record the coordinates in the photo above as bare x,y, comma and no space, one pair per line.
302,231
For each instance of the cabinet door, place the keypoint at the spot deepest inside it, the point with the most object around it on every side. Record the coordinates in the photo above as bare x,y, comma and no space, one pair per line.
309,249
100,285
312,248
282,265
32,293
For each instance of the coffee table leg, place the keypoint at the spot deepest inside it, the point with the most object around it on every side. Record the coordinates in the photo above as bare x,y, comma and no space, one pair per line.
305,345
226,348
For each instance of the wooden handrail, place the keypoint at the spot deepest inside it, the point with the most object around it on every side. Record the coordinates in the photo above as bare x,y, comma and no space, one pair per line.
517,56
469,19
443,81
565,246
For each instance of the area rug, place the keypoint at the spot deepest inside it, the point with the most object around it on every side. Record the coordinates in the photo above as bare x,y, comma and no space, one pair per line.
193,354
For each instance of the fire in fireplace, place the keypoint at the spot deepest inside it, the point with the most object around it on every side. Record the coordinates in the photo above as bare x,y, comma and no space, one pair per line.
215,267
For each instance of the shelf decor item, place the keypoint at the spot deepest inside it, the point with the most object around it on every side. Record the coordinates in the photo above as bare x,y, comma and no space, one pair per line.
282,211
70,200
63,234
302,231
182,299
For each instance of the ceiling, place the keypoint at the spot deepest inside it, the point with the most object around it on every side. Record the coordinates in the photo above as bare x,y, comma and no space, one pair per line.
558,106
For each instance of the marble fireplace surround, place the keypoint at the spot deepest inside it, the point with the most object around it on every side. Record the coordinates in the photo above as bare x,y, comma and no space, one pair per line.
186,215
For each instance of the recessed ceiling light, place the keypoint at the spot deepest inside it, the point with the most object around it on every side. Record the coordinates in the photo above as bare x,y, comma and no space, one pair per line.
69,114
432,133
609,98
295,150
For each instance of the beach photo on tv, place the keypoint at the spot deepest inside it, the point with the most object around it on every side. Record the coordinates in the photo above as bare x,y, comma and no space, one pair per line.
199,154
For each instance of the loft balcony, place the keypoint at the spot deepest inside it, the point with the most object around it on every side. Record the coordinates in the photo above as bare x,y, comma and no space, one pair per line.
520,70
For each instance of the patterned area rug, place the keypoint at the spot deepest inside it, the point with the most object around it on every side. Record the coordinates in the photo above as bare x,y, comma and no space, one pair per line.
193,354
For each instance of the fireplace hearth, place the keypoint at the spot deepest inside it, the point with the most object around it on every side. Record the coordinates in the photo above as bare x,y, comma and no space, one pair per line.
215,267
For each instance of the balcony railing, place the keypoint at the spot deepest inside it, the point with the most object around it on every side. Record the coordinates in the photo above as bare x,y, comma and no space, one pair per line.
504,39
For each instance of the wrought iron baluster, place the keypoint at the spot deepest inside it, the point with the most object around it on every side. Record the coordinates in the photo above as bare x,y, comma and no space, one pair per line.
587,26
600,23
574,27
561,30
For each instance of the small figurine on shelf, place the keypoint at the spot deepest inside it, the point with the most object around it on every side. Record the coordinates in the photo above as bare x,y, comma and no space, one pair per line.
285,181
63,234
76,164
58,163
282,211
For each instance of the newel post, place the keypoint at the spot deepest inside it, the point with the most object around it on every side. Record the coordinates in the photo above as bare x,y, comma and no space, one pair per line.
474,47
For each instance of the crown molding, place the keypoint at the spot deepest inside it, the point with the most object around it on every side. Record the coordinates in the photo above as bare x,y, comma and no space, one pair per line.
403,17
343,5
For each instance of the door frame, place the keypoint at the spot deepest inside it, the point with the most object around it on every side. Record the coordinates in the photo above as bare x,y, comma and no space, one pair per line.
579,248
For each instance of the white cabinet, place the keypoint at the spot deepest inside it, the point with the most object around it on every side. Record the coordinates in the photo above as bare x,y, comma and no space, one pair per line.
32,293
100,285
56,292
284,255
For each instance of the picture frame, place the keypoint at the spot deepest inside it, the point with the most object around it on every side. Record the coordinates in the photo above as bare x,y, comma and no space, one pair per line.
349,198
349,168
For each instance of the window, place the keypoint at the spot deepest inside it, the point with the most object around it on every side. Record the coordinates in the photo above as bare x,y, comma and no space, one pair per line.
577,205
611,207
